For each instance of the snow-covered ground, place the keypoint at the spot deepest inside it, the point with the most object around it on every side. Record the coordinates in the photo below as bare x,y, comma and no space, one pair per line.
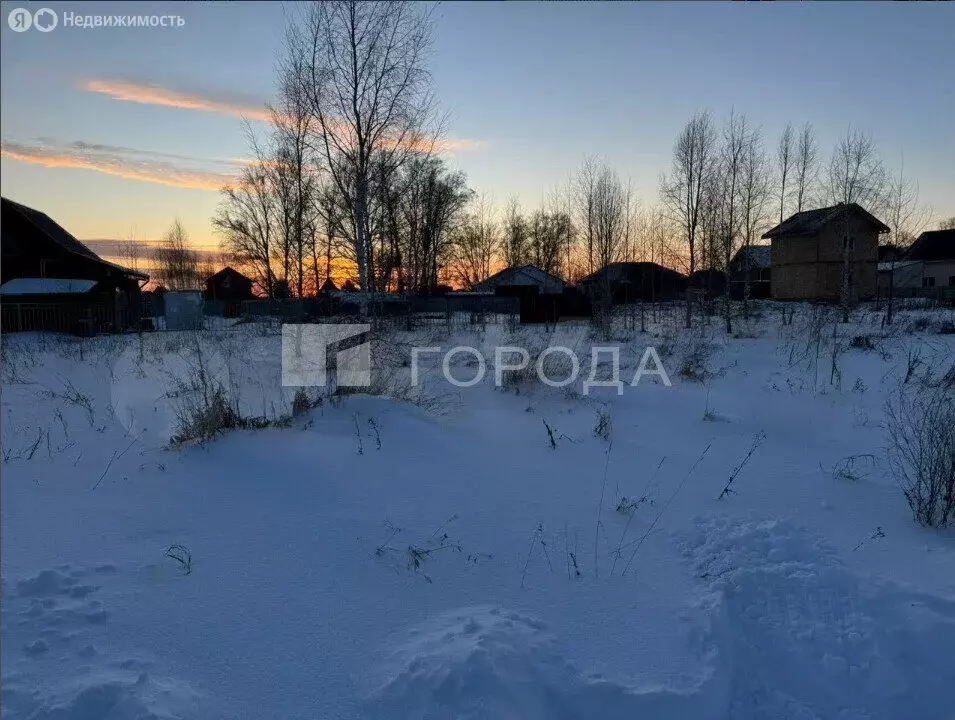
435,556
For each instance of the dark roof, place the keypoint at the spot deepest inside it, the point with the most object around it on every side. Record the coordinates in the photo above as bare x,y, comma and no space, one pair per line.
228,271
542,275
620,271
755,256
810,222
933,246
46,225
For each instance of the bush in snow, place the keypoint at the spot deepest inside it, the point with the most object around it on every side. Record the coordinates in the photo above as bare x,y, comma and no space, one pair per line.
695,361
920,423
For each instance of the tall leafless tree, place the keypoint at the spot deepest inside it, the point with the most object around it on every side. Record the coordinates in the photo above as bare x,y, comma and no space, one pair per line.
906,218
584,190
246,218
754,197
176,263
682,191
855,175
785,155
131,250
515,236
294,174
806,163
475,242
363,74
727,181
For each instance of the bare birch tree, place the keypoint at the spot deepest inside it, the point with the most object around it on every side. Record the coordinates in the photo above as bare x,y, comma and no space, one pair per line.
806,162
246,219
363,74
515,236
176,263
683,189
727,182
855,176
474,244
584,189
131,250
785,155
293,174
754,196
906,218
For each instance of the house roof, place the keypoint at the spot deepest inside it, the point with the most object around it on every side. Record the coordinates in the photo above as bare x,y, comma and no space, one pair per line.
810,222
620,271
228,271
933,246
756,256
898,265
46,286
46,225
530,273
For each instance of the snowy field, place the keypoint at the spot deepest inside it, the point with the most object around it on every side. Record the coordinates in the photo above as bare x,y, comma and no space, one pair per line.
440,552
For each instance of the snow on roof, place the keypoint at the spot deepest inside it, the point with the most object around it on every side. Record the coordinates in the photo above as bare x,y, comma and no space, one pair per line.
897,265
45,286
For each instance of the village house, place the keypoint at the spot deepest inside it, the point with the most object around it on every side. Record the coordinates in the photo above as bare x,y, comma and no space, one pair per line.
752,267
635,281
808,255
52,281
541,294
230,288
935,250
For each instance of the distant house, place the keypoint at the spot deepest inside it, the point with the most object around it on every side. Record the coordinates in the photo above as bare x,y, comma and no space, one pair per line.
327,287
935,250
522,276
630,282
229,285
541,293
752,264
229,288
808,253
49,280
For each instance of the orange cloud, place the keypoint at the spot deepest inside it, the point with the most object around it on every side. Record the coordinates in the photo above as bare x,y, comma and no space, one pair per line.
117,164
153,94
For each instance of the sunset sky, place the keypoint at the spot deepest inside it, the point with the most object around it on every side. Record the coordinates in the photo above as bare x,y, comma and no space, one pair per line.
110,129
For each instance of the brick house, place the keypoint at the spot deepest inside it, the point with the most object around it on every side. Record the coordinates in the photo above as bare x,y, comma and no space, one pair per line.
807,253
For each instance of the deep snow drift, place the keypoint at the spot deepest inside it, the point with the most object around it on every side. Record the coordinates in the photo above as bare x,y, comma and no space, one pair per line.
434,556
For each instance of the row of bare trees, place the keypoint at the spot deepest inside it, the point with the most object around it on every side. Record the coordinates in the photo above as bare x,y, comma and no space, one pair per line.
723,190
350,178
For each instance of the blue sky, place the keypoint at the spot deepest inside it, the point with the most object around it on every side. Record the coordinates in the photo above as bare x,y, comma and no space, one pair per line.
538,87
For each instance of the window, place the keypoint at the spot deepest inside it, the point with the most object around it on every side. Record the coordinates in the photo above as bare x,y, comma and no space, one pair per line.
928,282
